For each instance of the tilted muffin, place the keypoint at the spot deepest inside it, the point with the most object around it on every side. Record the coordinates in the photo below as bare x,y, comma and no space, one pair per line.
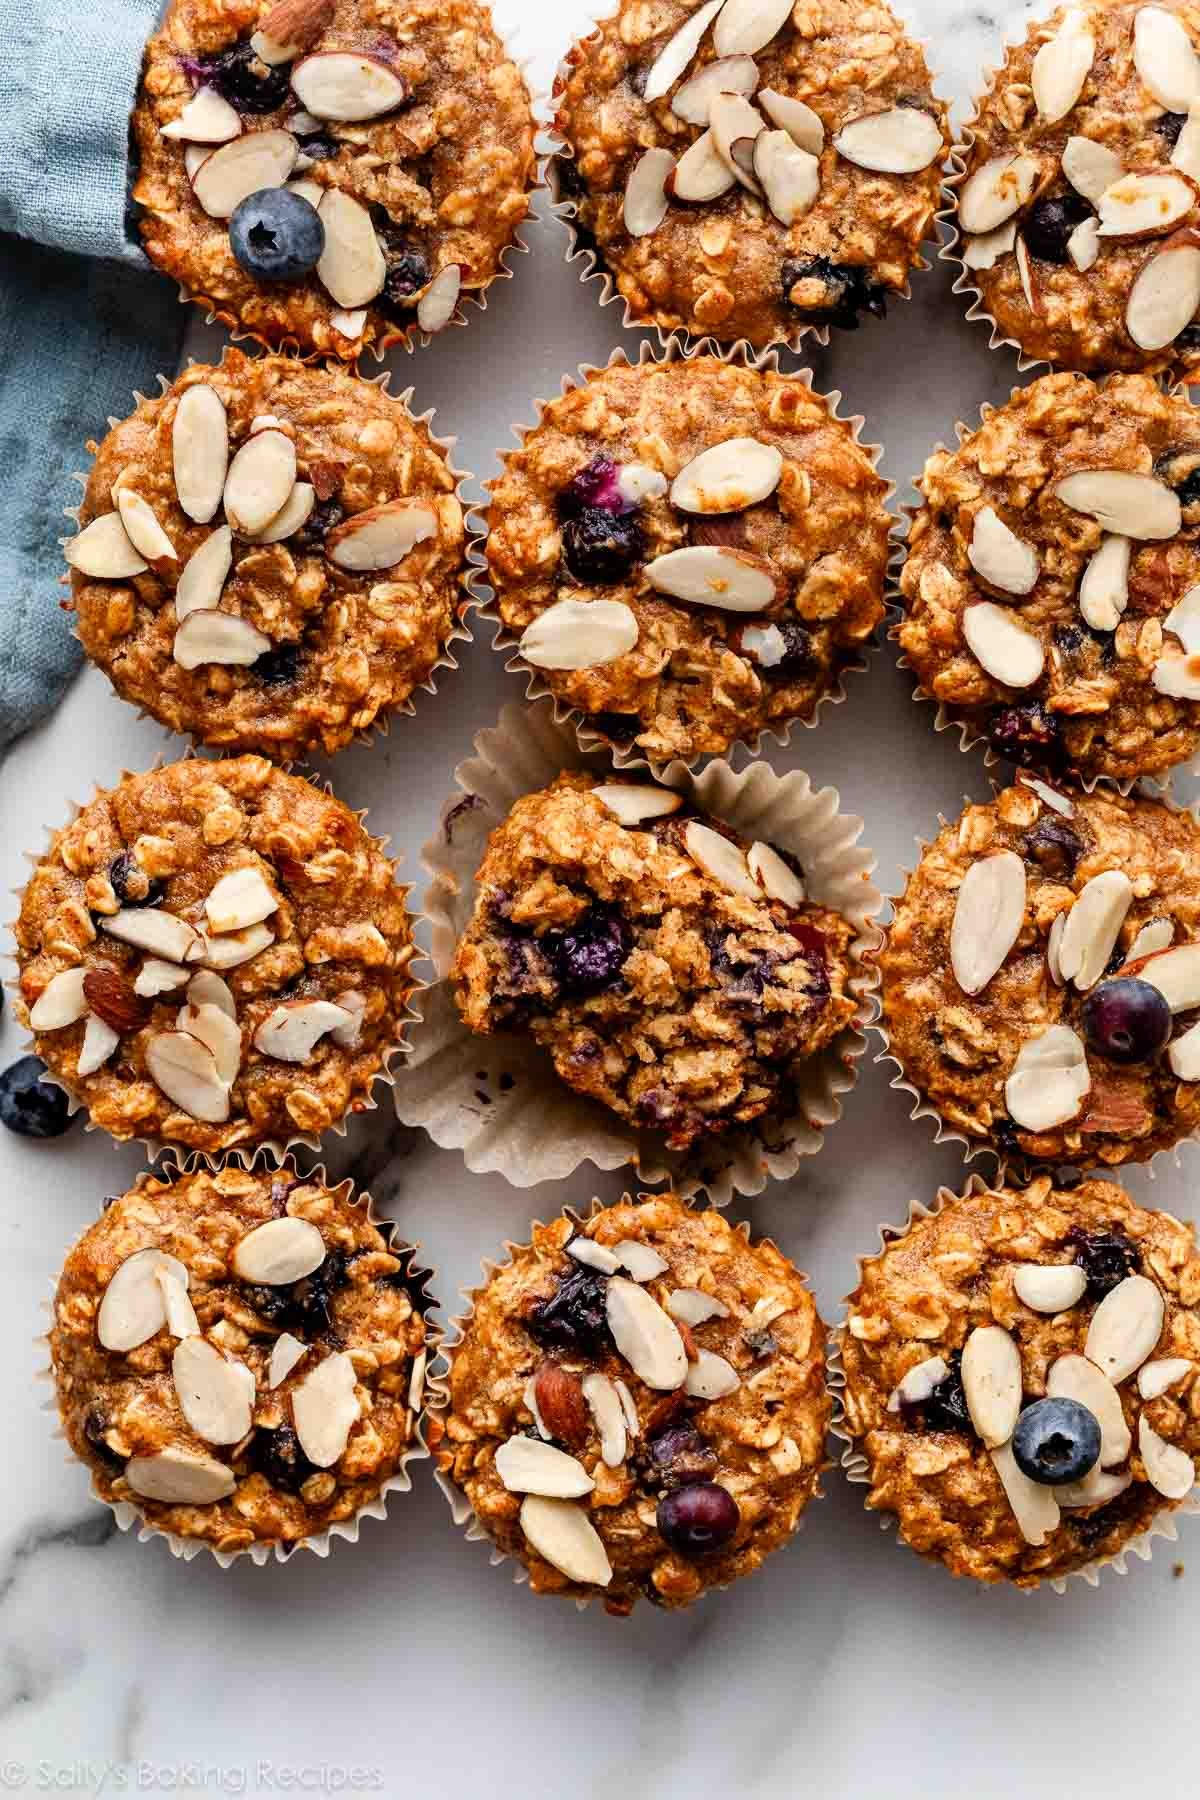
637,1404
1080,203
672,972
775,172
214,954
331,173
1052,586
241,1356
271,557
1021,1378
1042,972
689,552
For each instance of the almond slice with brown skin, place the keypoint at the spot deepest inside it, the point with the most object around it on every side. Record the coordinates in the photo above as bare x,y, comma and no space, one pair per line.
1155,935
1178,677
604,1404
594,1255
560,1532
529,1466
260,480
744,27
918,1383
1061,67
678,52
1083,245
1176,975
143,529
1165,58
790,177
99,1042
238,899
1104,590
711,1377
700,174
1125,1328
180,1477
186,1072
213,1026
985,250
292,1031
996,191
1165,294
1076,1378
579,634
640,1261
633,804
1183,1055
207,989
1000,556
132,1309
193,156
206,119
1154,1378
280,1252
354,1005
1186,154
646,193
180,1313
710,575
735,125
1034,1506
290,27
1093,927
351,266
203,577
382,536
286,1352
151,929
694,1307
325,1408
291,516
1123,501
723,860
233,948
435,308
1000,645
1049,1080
991,1379
104,550
348,86
1091,168
60,1003
259,159
215,1392
1097,1488
988,916
1169,1469
802,124
1144,205
200,451
774,877
728,477
645,1335
726,75
900,141
217,637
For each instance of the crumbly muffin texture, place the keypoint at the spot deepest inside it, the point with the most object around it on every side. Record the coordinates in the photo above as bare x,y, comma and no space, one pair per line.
421,129
662,976
604,491
256,1406
1041,976
794,211
1049,585
1081,187
214,954
281,639
914,1379
686,1452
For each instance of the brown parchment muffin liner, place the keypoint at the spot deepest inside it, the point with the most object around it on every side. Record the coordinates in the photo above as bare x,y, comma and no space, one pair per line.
676,347
431,1385
470,577
856,1466
271,1148
461,1510
536,1128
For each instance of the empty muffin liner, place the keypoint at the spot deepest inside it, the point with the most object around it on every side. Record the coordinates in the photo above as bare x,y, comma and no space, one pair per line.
535,1128
473,568
675,349
461,1510
128,1516
857,1467
272,1147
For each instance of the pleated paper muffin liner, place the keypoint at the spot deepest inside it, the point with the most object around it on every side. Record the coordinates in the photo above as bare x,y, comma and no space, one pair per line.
461,1510
424,1381
674,349
274,1148
536,1128
470,575
857,1466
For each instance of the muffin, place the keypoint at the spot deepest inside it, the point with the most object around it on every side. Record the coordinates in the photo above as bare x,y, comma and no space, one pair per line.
1041,976
774,173
272,557
1051,592
1077,201
240,1356
214,954
334,174
637,1404
689,552
1021,1378
673,972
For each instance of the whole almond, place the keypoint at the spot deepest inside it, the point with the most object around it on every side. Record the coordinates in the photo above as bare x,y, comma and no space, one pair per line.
112,998
290,27
559,1396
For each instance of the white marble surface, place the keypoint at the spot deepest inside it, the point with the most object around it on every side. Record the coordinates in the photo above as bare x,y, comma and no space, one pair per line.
847,1667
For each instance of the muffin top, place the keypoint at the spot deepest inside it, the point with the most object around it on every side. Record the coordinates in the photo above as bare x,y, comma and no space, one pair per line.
1041,976
752,168
1052,585
638,1405
271,556
1079,206
689,552
213,954
240,1356
331,173
673,972
1021,1377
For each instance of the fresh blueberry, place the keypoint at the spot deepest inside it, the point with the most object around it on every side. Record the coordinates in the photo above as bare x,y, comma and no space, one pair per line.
278,667
1106,1258
319,147
946,1408
1056,1441
622,728
1027,735
1126,1020
1179,467
249,85
131,884
843,291
1049,225
1054,846
302,1306
408,272
798,656
599,546
320,521
698,1519
276,235
589,955
573,1317
30,1106
593,485
277,1455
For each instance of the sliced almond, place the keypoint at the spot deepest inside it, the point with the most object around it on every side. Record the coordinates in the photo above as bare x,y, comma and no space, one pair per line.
233,948
382,536
774,877
354,1005
1005,649
1025,273
745,27
217,637
1061,68
213,1026
291,1032
1155,1378
1124,502
1144,205
712,575
637,482
991,1378
349,324
988,916
644,1335
996,191
628,1408
1090,168
1104,590
528,1466
700,174
725,75
240,898
918,1383
104,550
1165,59
1169,1470
1093,927
1183,1055
678,52
561,1533
1049,1287
291,516
900,141
352,266
640,1261
200,451
99,1042
435,308
193,156
186,1071
286,1352
151,929
278,1252
348,86
595,1256
142,528
735,125
985,249
207,118
1000,556
290,27
633,803
646,193
726,864
1177,676
790,177
711,1377
259,159
1053,946
1125,1328
325,1407
1083,245
1049,1080
203,577
180,1477
1186,154
1184,620
1048,796
1076,1378
1176,975
1097,1488
1155,935
260,480
579,634
180,1313
728,477
692,1306
1034,1506
801,123
132,1309
60,1003
216,1393
604,1404
1164,297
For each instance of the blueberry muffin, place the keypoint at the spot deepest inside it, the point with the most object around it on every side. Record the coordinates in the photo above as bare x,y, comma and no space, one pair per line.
215,954
637,1405
332,174
1078,207
752,168
271,557
674,973
1051,593
1041,976
241,1355
689,552
1021,1378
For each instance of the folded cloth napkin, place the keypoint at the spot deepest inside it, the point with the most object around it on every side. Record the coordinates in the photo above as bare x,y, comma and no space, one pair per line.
83,318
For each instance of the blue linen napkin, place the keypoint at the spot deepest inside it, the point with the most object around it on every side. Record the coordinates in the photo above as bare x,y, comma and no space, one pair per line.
83,318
